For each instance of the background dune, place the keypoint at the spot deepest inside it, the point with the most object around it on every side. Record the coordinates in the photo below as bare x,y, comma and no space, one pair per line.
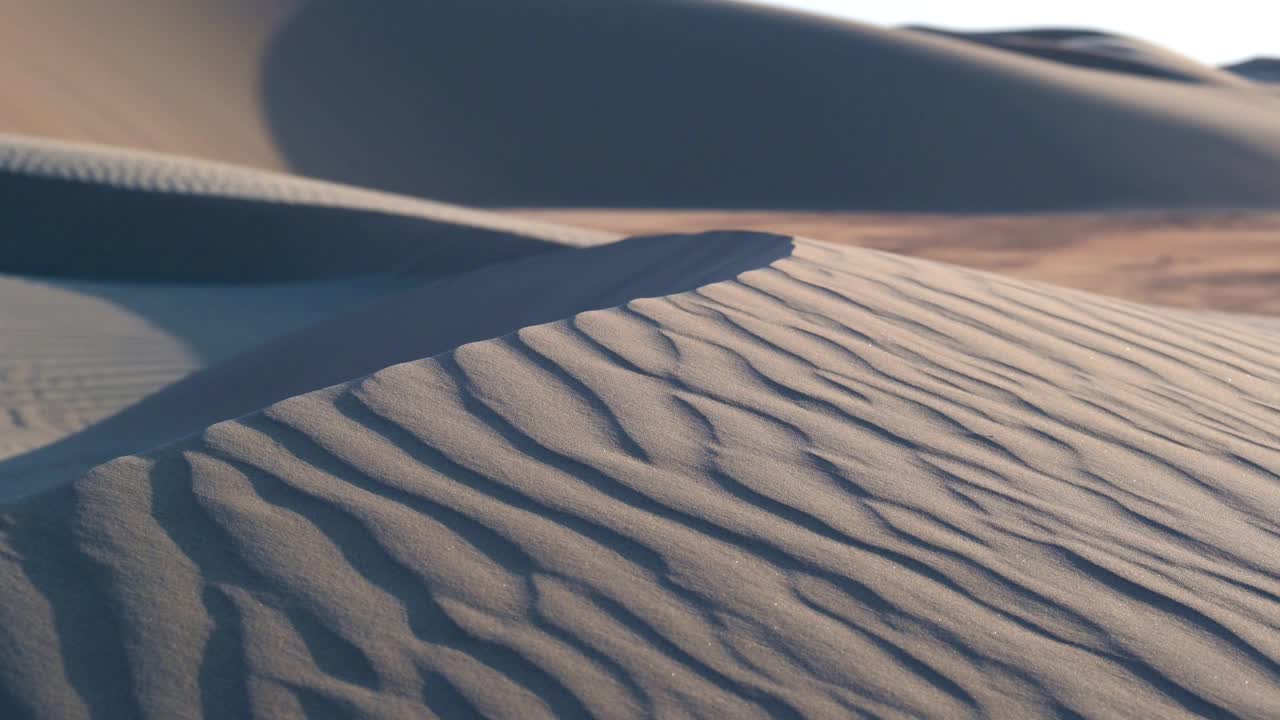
719,105
408,325
1099,51
84,210
1197,260
178,76
723,105
274,446
844,484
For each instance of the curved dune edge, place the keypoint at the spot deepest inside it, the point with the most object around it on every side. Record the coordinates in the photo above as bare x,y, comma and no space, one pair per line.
123,271
749,113
416,323
847,484
90,211
1095,50
73,352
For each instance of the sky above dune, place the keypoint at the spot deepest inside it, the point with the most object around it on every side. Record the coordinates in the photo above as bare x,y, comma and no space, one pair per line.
1218,32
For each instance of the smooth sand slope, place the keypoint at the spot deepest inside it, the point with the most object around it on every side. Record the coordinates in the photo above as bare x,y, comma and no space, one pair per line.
124,271
689,103
727,105
178,76
843,484
1196,260
1098,50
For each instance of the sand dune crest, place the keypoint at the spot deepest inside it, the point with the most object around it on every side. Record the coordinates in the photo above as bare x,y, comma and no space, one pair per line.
844,484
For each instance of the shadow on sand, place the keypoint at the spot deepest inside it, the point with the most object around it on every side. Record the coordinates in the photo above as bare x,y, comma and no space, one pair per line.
702,104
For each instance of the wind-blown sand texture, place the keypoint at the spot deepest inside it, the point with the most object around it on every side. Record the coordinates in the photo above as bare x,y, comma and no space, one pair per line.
842,484
278,447
522,102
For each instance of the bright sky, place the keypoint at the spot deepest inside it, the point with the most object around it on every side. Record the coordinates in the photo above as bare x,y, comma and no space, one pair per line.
1214,31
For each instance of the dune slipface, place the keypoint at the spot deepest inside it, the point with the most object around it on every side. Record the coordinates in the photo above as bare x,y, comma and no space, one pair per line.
842,484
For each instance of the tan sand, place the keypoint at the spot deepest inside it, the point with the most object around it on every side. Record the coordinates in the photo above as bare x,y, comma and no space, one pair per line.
1194,260
844,484
176,76
277,447
1262,69
523,102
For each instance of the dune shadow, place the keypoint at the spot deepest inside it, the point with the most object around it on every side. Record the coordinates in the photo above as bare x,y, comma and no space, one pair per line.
658,103
95,231
220,273
417,323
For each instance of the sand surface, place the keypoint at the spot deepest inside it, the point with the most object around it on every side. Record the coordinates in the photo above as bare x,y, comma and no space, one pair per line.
512,102
277,446
844,483
1195,260
129,271
1263,69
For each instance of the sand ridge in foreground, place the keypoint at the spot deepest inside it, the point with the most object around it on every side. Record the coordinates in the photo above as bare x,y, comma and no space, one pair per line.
843,484
395,328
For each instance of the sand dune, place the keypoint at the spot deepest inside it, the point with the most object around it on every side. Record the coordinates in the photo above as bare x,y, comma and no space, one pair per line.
721,104
844,484
1258,69
1097,50
403,326
84,210
726,105
177,76
155,267
1196,260
277,447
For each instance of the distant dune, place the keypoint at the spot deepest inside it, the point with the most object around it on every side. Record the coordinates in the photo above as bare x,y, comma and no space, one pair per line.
647,103
843,484
718,105
1196,260
1096,50
1258,69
